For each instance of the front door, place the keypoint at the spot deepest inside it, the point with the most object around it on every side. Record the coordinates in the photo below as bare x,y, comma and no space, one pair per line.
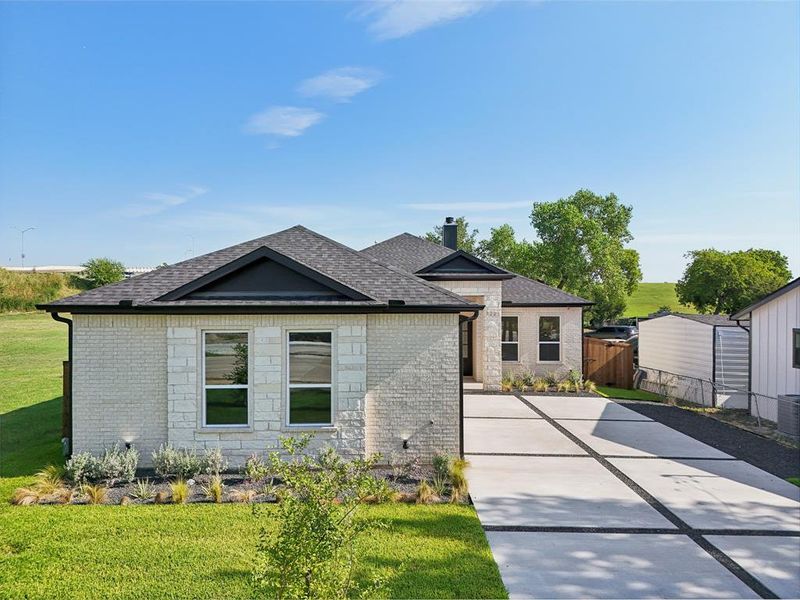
466,348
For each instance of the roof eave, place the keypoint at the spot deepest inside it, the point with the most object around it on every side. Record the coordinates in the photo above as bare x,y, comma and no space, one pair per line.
257,309
465,276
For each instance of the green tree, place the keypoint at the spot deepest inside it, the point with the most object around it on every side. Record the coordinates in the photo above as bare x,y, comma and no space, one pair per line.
102,271
309,548
465,239
503,250
724,282
581,249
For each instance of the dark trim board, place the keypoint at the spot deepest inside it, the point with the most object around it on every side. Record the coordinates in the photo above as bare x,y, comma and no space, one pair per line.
260,309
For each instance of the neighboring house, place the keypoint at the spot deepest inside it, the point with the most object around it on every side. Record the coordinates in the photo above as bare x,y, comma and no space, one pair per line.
774,348
294,332
699,358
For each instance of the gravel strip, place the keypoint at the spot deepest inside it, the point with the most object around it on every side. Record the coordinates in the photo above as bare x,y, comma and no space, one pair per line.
763,453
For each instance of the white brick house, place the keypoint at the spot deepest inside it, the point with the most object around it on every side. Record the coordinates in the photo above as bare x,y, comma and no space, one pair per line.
294,332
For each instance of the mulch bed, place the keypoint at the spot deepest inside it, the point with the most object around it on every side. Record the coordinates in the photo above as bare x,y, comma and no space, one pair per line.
769,455
236,482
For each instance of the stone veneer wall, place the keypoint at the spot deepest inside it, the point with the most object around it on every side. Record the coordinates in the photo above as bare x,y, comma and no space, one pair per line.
268,383
137,378
413,384
488,364
571,340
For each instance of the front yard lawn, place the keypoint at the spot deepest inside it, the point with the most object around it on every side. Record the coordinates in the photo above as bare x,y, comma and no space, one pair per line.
174,551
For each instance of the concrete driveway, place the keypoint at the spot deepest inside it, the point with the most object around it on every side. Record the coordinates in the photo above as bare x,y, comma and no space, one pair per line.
583,498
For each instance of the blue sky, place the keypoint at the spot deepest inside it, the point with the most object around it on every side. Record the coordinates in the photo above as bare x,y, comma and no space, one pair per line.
153,131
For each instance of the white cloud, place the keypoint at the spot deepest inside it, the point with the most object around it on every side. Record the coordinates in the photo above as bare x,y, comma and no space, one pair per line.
470,206
153,203
283,121
399,18
340,84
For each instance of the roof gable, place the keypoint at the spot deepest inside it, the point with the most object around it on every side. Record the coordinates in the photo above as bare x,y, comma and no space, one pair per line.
264,274
365,283
407,252
461,263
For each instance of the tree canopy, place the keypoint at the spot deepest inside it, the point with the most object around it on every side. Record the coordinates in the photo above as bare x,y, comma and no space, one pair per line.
724,282
102,271
466,239
581,249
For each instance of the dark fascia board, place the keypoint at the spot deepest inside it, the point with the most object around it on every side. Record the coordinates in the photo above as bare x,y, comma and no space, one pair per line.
465,276
257,309
779,292
541,304
252,257
468,256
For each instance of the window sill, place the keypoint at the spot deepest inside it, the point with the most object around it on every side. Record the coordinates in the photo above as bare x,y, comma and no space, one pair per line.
320,428
226,429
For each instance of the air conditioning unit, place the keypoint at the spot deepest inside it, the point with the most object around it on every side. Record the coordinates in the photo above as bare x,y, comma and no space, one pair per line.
789,415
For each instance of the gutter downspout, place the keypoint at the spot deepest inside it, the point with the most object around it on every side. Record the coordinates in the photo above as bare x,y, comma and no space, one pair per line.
749,361
67,440
462,319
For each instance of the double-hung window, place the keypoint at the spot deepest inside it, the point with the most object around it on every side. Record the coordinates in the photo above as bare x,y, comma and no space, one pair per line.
310,358
225,378
510,339
796,348
549,339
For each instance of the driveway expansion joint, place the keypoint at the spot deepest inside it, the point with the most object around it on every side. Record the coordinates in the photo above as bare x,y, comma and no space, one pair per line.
726,561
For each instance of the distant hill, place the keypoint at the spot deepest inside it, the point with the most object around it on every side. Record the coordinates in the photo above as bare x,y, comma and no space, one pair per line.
650,296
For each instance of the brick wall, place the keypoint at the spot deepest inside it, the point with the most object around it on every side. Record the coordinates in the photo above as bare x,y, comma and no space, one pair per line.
119,382
412,383
137,378
528,324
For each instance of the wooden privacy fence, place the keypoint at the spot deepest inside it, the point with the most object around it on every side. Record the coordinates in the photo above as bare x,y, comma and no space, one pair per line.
608,363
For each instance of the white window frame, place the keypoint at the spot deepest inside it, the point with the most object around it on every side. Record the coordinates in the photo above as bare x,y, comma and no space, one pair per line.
290,385
539,341
237,386
503,342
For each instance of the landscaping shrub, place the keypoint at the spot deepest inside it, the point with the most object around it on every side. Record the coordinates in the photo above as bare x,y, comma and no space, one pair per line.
378,491
540,385
244,496
425,493
401,465
575,378
180,491
589,386
185,464
144,490
507,382
215,490
255,469
95,494
310,549
114,465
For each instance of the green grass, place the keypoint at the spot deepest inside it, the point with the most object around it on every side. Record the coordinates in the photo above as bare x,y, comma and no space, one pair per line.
197,551
649,297
22,291
622,394
794,480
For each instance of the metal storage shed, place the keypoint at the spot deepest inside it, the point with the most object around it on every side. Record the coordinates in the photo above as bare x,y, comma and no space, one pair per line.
699,358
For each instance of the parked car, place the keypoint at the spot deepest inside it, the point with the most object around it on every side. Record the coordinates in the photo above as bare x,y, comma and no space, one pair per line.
614,332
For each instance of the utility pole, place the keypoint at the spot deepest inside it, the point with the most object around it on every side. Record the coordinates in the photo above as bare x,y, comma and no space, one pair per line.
22,233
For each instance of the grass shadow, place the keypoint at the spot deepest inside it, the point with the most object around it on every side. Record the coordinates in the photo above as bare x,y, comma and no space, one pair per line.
30,438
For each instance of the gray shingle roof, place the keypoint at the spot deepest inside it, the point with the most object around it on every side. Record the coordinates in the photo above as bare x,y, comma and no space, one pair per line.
413,253
380,283
714,320
522,290
407,252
